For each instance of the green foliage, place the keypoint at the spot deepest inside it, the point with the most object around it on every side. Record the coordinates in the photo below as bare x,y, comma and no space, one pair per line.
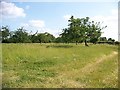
59,40
5,33
102,39
81,29
20,36
45,37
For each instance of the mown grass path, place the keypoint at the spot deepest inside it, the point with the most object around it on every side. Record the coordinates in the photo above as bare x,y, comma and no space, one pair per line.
88,70
92,66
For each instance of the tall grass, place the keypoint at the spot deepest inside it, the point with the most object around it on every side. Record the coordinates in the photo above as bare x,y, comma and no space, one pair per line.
58,65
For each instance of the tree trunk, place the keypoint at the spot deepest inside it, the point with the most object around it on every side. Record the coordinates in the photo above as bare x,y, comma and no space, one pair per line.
86,43
76,42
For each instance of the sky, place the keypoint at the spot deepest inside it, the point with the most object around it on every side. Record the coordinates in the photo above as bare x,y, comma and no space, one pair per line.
52,17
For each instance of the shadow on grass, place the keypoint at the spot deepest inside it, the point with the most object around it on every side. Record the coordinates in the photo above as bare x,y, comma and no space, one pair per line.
59,46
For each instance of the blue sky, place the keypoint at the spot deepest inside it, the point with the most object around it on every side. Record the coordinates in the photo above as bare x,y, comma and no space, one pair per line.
52,16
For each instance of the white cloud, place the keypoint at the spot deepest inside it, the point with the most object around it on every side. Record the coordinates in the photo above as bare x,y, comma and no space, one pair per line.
37,23
26,25
34,25
112,24
67,17
10,10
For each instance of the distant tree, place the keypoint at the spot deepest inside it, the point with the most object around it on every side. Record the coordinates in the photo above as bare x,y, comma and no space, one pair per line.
111,41
59,40
5,34
50,38
34,38
117,43
0,36
103,39
82,30
45,37
65,36
20,36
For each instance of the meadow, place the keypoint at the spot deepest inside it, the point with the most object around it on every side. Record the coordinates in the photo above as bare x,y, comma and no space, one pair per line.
59,66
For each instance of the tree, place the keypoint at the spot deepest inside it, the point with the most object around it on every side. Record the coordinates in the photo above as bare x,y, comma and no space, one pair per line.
65,36
72,33
0,36
58,40
81,29
103,39
45,37
111,41
20,36
34,38
5,33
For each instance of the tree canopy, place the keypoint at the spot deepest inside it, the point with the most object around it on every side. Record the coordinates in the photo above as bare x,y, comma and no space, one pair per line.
82,29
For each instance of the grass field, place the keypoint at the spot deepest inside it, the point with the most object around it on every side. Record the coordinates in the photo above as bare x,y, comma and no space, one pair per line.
59,66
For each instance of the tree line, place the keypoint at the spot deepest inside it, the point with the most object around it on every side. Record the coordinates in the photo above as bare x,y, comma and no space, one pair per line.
22,36
79,30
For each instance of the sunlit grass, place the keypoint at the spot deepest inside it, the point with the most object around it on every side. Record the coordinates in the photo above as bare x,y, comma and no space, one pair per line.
59,65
